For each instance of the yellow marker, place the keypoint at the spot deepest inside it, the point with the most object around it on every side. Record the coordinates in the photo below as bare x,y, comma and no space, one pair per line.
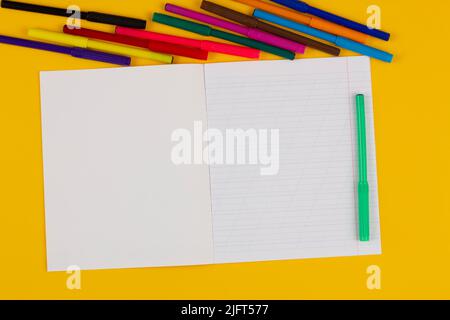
86,43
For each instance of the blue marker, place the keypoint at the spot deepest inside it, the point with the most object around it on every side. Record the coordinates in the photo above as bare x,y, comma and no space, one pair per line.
337,40
304,7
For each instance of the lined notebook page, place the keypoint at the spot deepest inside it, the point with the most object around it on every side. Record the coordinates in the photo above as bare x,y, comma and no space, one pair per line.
309,209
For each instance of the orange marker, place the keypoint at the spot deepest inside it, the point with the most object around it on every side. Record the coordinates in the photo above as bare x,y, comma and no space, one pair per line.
313,22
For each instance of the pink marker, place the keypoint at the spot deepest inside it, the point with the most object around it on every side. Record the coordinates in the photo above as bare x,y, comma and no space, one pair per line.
210,46
252,33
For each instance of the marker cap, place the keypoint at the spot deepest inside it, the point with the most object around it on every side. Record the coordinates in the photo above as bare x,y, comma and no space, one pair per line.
204,45
182,24
115,20
100,56
62,38
89,33
365,50
230,49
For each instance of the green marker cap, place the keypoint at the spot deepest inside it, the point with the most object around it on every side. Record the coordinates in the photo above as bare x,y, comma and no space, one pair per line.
202,29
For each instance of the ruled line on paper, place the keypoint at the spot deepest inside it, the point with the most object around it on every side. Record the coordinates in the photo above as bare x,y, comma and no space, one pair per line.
308,209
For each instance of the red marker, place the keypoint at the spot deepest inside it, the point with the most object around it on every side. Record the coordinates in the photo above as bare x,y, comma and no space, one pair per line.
210,46
157,46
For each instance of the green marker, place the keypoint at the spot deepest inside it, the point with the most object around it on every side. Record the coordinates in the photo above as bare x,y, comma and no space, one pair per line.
206,30
363,185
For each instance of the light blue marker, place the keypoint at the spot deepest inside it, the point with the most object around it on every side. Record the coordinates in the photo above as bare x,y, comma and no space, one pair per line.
337,40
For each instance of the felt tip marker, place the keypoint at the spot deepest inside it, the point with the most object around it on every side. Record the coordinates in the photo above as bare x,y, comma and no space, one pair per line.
339,41
83,42
310,21
205,30
252,22
210,46
85,15
363,184
252,33
74,52
302,6
155,46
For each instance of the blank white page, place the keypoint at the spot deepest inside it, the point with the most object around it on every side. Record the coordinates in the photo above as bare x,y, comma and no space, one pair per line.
309,209
113,196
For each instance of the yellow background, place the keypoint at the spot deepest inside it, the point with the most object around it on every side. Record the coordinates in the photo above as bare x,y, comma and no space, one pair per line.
412,115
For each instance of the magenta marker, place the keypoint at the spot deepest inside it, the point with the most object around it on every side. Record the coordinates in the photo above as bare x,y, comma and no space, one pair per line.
252,33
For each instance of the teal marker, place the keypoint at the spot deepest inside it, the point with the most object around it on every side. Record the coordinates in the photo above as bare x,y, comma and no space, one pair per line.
363,184
205,30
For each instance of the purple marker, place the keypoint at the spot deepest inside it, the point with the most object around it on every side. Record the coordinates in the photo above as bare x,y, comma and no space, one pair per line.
74,52
252,33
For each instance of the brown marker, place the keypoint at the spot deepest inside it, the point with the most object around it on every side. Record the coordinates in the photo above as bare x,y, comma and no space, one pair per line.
252,22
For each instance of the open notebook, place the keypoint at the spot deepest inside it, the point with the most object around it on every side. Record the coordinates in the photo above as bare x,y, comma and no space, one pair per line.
116,198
